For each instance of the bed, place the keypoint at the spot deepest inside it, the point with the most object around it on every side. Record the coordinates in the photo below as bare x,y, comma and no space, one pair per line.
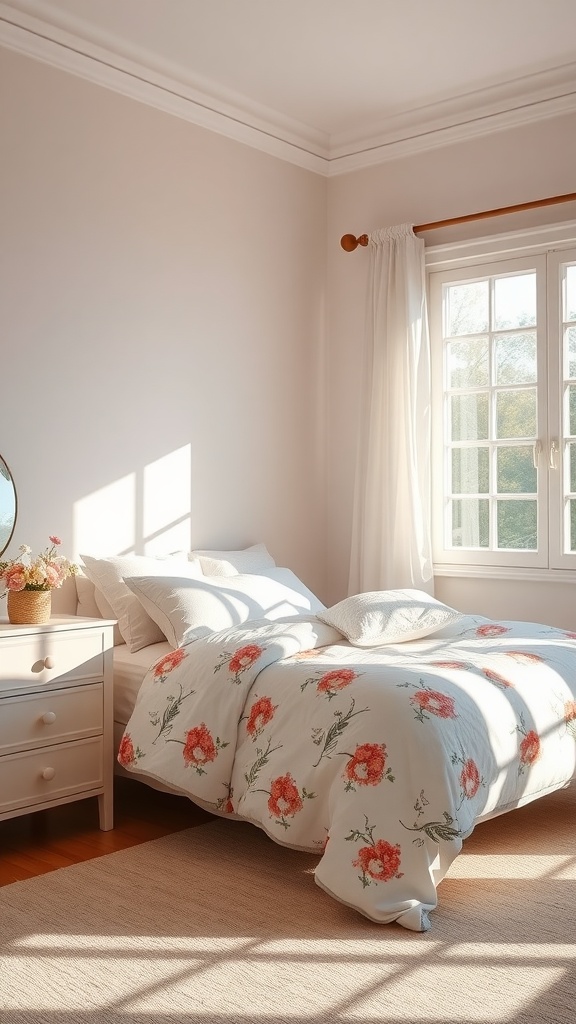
377,733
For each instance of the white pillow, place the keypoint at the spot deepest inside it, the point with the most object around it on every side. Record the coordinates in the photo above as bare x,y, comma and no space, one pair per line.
93,605
135,625
388,617
186,609
86,598
253,560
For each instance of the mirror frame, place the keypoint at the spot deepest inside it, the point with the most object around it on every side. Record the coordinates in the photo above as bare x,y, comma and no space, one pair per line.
10,478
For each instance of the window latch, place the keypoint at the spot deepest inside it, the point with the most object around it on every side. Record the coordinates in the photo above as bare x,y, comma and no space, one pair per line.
537,448
554,450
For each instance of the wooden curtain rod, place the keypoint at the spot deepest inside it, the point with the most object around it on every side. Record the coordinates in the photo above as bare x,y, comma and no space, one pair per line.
350,242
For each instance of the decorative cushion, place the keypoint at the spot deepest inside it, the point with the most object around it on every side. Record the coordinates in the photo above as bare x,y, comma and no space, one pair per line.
135,625
388,617
186,609
253,560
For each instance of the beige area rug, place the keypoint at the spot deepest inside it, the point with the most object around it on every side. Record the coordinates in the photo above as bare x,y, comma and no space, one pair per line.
218,925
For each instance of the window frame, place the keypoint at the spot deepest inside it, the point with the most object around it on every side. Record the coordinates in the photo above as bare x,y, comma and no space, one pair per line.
558,558
541,249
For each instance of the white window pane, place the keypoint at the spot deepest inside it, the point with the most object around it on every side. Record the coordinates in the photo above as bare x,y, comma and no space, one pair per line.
515,472
516,413
514,302
470,523
517,525
467,308
570,349
572,510
515,358
467,363
470,471
572,454
570,294
571,431
469,417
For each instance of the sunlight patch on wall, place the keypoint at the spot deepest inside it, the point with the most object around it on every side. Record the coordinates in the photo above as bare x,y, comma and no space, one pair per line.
166,503
145,512
104,521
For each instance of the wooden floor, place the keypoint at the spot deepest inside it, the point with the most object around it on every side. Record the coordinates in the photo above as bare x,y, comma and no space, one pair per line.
35,843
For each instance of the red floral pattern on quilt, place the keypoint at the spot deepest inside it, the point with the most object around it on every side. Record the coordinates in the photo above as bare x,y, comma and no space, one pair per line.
381,761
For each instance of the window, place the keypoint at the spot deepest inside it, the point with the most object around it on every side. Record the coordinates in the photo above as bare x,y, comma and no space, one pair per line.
504,411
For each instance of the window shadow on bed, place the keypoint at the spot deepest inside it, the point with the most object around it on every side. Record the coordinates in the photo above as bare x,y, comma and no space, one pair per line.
513,700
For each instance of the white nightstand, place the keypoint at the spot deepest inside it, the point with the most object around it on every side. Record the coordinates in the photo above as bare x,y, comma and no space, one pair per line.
56,717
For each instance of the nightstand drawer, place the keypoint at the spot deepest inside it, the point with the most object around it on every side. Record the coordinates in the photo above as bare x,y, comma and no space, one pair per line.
52,717
28,779
56,715
51,658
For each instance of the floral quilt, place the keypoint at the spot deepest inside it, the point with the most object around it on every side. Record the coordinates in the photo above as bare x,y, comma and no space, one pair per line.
381,760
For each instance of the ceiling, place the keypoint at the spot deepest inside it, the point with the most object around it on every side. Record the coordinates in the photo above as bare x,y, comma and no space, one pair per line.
344,82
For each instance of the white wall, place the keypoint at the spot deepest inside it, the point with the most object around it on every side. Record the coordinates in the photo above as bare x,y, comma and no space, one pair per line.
508,167
551,601
162,297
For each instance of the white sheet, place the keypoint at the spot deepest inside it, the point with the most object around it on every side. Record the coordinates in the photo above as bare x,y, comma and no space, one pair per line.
129,671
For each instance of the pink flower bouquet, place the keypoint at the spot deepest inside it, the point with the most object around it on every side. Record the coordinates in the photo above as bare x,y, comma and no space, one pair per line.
46,571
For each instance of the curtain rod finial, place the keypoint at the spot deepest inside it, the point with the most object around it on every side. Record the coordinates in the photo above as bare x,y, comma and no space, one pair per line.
350,242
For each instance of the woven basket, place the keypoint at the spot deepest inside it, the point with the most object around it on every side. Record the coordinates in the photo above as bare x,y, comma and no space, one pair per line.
29,606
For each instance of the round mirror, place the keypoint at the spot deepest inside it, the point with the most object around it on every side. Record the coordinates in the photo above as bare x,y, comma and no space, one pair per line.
8,506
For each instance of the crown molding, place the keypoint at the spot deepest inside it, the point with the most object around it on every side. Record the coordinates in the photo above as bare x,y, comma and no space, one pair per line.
498,108
61,49
378,151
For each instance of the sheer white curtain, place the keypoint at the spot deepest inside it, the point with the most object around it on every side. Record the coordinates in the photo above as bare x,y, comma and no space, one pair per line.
391,545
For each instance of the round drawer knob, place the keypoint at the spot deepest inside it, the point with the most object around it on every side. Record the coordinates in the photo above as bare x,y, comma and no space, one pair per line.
49,662
48,774
48,717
